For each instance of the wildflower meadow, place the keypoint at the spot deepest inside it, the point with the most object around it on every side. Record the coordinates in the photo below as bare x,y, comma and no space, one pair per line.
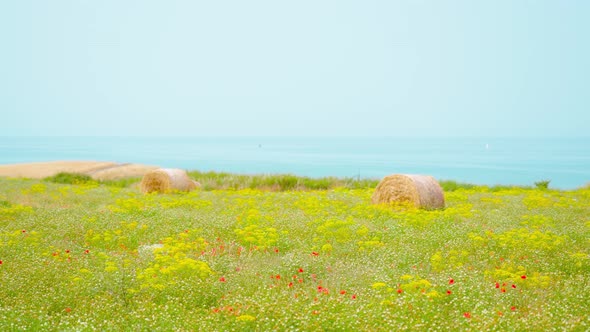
98,257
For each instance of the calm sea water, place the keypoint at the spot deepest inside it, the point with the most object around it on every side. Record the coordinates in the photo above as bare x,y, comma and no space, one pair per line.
522,161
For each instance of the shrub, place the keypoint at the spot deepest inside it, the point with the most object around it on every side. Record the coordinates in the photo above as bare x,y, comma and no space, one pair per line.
69,178
543,184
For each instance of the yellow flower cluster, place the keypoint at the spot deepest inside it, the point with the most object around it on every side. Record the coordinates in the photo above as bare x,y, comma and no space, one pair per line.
20,239
414,286
253,230
123,238
525,239
174,261
130,205
448,260
517,275
186,201
11,211
535,200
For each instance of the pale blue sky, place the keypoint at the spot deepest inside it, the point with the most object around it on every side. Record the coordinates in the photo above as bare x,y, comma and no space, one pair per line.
172,67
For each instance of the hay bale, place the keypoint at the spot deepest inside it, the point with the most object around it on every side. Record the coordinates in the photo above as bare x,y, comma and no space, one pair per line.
167,179
421,190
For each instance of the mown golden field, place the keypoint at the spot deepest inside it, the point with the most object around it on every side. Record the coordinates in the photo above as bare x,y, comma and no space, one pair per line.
96,257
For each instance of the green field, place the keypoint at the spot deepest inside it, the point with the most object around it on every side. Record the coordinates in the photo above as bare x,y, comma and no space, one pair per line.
95,256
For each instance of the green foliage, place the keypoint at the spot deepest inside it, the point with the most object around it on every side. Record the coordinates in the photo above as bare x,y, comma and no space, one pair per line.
450,185
69,178
543,184
280,182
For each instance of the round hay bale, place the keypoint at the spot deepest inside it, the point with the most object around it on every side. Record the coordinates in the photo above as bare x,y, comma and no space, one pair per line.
164,180
421,190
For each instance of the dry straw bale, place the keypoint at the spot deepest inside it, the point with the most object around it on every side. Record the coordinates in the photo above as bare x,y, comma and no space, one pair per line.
167,179
421,190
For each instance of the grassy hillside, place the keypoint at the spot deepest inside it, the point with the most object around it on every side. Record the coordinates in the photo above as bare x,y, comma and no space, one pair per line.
92,256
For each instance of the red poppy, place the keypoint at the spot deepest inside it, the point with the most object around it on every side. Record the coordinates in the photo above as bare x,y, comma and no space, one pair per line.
342,292
277,250
467,315
86,251
300,270
399,291
290,284
497,285
448,292
0,262
513,308
315,253
67,251
278,276
353,296
222,279
24,230
451,281
523,277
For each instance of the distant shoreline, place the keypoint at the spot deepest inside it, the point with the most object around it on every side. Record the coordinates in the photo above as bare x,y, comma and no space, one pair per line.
98,170
113,171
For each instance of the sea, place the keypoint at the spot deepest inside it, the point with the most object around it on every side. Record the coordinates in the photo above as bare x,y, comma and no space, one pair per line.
565,161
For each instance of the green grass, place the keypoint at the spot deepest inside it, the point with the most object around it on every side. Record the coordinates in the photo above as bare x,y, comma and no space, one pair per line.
289,253
268,182
276,182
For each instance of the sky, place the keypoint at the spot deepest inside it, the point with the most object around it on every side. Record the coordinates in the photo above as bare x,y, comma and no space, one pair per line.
295,68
